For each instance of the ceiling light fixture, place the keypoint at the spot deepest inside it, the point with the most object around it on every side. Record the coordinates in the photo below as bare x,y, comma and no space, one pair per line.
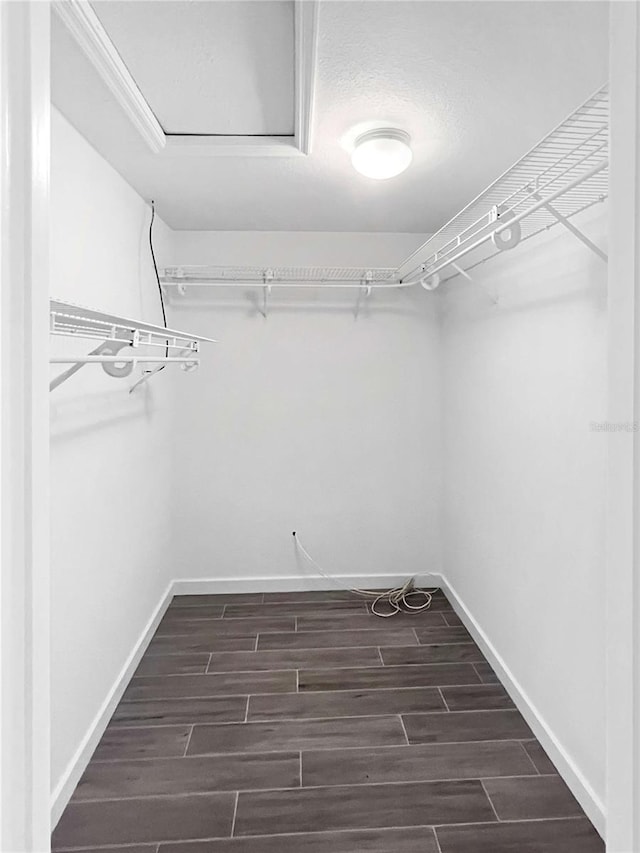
382,153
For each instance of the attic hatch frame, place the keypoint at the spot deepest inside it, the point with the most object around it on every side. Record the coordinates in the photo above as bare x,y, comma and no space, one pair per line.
562,176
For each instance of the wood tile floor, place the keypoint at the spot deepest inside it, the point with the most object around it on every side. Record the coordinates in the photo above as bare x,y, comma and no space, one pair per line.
301,723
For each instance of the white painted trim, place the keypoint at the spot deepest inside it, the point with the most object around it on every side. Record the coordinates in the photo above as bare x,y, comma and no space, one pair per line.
570,772
306,52
301,583
84,25
77,765
230,146
623,474
24,418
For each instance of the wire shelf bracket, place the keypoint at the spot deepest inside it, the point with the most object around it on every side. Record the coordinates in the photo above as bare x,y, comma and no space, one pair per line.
562,176
115,334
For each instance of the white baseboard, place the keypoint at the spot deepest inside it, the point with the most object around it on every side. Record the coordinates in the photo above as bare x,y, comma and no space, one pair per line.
76,767
580,787
302,583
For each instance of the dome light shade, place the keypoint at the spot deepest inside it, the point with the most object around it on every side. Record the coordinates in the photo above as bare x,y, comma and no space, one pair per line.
382,153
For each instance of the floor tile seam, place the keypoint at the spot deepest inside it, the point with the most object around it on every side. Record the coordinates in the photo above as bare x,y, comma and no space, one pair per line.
333,630
150,654
240,671
315,749
403,628
382,647
491,803
180,605
437,826
235,812
433,829
510,710
325,787
154,674
395,713
534,765
446,704
375,689
222,696
404,730
329,612
376,667
291,752
149,724
285,835
377,716
379,666
193,634
286,754
390,625
433,826
189,736
154,656
399,687
280,719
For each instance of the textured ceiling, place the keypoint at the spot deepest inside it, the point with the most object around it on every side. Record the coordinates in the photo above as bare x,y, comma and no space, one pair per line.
218,68
474,83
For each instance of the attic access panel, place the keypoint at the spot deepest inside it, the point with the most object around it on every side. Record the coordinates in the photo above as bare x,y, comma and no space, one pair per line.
223,68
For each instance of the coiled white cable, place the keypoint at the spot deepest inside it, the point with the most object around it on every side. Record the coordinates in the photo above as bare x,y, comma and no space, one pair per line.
398,598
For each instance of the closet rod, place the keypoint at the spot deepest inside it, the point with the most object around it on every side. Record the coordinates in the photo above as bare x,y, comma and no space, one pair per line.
273,284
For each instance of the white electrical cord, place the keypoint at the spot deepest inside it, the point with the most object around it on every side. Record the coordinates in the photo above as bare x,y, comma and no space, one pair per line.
398,599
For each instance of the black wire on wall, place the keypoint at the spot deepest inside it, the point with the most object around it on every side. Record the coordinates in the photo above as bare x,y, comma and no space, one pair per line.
155,267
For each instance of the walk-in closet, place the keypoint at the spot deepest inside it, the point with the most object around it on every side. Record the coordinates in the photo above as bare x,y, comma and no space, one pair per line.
320,321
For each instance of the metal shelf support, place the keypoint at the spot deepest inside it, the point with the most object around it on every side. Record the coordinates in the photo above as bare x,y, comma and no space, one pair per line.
118,333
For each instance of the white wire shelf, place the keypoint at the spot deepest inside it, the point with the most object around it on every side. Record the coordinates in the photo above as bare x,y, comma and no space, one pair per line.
562,176
225,276
183,278
114,334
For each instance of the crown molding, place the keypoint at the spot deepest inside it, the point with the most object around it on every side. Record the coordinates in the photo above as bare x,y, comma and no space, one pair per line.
84,25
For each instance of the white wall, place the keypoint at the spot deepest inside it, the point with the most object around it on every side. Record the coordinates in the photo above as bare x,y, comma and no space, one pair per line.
309,420
334,426
524,476
110,451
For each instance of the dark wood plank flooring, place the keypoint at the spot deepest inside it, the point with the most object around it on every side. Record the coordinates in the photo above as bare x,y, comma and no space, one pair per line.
302,723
